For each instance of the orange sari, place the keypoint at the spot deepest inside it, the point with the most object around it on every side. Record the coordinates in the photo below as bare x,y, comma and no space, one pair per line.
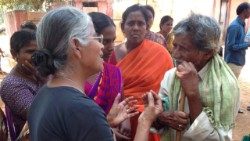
143,69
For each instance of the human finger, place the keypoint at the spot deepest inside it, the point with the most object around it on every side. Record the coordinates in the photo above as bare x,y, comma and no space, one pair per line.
192,66
145,99
186,66
180,67
180,119
153,92
180,71
28,64
182,114
132,102
28,69
117,99
132,113
130,108
150,99
128,99
180,127
157,99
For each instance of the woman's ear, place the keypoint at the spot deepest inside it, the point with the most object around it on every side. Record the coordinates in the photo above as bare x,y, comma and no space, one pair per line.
147,26
76,47
14,54
122,27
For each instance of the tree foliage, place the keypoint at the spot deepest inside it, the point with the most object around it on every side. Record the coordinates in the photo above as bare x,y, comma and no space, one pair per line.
33,5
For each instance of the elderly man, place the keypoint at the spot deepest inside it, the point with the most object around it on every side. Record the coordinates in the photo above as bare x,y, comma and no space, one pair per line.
209,86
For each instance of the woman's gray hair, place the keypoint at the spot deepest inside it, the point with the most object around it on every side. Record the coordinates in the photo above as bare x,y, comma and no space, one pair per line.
203,30
54,33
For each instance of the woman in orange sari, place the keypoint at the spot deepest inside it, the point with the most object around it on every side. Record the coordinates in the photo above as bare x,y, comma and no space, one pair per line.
142,62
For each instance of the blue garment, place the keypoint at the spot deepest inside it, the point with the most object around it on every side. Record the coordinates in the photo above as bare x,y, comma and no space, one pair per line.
235,46
66,114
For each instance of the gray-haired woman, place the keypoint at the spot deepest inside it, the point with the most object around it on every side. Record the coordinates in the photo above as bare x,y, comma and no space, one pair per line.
70,52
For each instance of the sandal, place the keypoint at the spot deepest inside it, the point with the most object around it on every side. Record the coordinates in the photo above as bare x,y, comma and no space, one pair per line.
248,108
240,111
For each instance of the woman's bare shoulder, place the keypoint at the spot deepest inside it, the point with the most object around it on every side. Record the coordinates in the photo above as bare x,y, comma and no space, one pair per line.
120,51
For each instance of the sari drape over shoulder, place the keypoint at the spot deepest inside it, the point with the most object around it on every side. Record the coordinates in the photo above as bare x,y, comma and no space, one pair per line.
219,94
142,70
106,87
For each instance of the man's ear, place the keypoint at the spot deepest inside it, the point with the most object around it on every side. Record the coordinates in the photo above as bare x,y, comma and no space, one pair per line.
209,54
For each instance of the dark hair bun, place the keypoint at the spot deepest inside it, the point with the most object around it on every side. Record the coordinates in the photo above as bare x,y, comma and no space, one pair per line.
44,62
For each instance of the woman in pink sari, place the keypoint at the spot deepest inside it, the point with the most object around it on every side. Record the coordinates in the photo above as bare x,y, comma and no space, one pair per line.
104,86
107,85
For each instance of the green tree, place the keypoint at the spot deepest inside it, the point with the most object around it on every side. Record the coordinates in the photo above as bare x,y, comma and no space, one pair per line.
21,4
33,5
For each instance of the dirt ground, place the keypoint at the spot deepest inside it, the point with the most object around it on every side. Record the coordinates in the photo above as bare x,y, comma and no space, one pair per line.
242,126
243,120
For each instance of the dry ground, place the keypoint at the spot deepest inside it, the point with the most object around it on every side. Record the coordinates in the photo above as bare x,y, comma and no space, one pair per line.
243,120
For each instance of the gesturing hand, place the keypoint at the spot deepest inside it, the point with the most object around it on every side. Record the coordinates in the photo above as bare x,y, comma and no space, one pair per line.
153,107
28,67
121,111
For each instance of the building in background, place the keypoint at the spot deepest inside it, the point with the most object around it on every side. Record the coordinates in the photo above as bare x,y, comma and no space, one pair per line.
104,6
222,10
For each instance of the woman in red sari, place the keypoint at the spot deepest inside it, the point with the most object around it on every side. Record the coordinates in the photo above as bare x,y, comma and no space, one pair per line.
143,63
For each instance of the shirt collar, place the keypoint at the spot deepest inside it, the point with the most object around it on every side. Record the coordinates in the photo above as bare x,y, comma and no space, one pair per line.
242,22
202,72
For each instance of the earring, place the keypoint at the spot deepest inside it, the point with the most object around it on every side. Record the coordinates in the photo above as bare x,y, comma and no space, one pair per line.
16,59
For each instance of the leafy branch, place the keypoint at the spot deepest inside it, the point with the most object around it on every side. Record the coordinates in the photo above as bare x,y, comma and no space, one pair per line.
33,5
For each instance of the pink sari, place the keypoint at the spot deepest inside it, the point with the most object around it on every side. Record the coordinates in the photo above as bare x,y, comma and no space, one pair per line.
106,87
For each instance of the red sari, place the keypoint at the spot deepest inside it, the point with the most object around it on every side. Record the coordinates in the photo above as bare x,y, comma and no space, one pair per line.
143,69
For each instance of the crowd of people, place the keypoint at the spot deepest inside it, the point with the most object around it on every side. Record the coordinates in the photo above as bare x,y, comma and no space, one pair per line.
72,83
